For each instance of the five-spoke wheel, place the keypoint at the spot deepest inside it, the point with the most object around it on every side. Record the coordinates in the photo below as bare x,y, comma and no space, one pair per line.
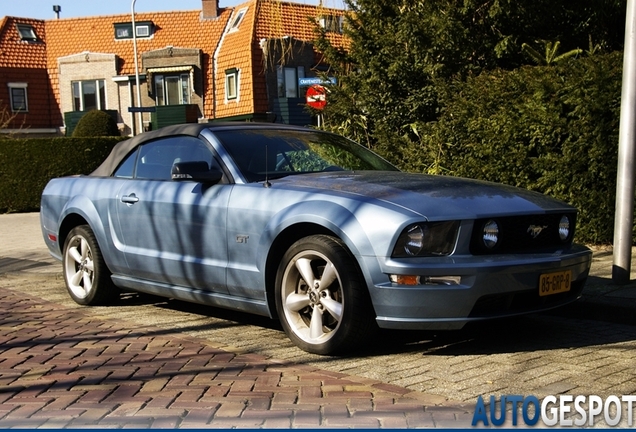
85,273
320,300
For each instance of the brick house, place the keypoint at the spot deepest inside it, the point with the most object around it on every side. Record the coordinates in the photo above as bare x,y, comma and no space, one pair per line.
239,63
26,96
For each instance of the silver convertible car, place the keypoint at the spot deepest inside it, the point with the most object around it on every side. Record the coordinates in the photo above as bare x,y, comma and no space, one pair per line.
309,228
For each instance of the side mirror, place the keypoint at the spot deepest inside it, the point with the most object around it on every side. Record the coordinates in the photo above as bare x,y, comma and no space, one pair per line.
197,171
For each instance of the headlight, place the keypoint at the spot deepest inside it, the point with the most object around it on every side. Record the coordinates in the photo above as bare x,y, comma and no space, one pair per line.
490,234
564,228
427,239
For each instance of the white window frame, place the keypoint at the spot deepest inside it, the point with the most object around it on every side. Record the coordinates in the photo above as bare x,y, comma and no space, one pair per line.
18,86
161,91
143,30
101,104
229,75
240,14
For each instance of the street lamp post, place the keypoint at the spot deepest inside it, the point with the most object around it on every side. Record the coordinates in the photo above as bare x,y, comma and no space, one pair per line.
134,34
624,218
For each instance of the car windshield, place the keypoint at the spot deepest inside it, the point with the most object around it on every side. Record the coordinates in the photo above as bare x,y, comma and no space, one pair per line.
275,153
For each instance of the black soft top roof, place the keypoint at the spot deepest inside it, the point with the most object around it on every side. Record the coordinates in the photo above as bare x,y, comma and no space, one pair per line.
123,148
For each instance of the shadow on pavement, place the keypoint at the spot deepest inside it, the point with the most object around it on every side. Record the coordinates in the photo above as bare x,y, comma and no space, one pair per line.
520,334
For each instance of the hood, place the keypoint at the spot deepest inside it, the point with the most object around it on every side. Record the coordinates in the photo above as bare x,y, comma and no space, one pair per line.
434,197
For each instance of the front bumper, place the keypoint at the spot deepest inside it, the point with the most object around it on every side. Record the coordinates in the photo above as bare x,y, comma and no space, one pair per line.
491,287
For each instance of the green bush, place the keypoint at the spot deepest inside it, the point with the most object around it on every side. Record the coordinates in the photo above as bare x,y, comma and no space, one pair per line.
550,129
26,166
96,123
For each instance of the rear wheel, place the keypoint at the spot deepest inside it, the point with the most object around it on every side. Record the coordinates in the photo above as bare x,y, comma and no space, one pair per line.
321,301
86,275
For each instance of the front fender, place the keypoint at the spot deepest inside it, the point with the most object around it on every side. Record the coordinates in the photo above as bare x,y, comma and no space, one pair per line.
331,216
81,205
336,218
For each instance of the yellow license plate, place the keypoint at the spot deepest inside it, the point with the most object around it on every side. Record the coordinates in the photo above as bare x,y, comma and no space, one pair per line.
554,283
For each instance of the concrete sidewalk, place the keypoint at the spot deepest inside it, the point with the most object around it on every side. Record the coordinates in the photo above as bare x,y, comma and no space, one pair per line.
62,368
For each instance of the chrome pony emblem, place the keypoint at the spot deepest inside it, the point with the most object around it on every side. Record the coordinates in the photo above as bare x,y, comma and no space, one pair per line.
535,230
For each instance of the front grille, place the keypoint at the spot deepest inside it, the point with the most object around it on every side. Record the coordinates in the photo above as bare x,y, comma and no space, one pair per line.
516,234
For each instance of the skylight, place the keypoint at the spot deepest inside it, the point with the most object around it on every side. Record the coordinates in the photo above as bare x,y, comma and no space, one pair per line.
27,32
239,17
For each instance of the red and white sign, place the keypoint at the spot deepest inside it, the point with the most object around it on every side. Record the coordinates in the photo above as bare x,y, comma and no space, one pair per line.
316,97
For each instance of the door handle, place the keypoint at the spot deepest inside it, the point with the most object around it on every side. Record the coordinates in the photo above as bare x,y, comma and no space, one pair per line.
129,199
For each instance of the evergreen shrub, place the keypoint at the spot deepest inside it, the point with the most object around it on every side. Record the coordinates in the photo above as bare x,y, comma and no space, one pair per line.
551,129
26,166
96,123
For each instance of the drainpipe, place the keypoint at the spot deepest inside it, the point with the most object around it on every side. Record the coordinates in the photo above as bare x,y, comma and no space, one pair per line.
134,31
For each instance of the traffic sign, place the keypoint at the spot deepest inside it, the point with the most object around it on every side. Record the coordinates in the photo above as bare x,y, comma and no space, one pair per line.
316,97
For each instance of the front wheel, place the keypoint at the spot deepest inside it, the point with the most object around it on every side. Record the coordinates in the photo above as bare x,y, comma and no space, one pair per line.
86,275
321,301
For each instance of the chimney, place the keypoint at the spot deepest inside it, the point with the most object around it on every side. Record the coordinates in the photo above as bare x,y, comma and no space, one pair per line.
210,9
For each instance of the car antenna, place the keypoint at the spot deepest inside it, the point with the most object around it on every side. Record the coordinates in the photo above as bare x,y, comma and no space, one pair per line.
267,183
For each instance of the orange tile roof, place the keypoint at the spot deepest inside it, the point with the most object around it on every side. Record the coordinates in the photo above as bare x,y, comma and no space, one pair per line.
236,52
14,52
183,29
265,19
277,19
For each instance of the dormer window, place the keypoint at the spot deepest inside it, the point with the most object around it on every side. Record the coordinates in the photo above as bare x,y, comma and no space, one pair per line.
238,19
331,23
145,29
27,33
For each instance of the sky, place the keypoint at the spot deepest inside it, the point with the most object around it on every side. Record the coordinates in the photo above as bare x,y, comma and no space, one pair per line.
43,9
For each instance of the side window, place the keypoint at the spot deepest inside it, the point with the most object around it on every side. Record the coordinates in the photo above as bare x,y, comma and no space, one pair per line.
127,167
156,158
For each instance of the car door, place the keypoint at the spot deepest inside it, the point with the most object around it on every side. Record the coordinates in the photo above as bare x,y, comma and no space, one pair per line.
172,231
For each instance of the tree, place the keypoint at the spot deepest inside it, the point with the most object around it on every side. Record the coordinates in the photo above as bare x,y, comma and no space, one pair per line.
551,53
402,51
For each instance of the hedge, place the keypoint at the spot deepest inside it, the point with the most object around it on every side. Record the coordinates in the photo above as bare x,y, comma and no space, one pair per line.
552,129
26,166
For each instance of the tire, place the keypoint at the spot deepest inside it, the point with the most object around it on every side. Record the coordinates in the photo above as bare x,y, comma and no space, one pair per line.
330,319
86,275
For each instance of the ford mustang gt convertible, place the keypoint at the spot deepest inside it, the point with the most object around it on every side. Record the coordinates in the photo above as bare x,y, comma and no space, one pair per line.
309,228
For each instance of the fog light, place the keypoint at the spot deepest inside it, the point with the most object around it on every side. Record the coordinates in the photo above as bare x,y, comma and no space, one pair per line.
564,228
442,280
490,234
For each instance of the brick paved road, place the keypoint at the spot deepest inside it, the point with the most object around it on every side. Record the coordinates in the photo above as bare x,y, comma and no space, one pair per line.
61,367
536,355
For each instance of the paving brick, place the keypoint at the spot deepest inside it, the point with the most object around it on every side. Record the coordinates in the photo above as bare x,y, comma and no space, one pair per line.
307,419
197,418
230,409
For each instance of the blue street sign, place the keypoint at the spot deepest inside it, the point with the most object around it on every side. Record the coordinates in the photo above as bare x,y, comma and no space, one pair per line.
142,109
302,82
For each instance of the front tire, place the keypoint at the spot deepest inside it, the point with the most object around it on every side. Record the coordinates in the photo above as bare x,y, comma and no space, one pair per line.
86,275
321,301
